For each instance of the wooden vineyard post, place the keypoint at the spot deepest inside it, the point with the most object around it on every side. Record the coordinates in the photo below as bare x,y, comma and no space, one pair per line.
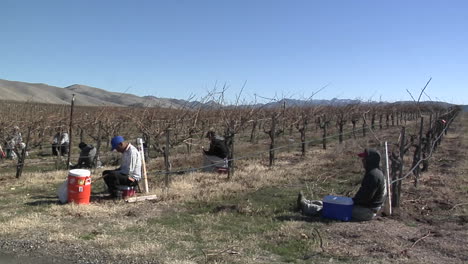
231,159
253,136
438,133
323,125
397,182
380,121
364,125
417,155
302,130
445,126
340,133
231,150
427,145
340,122
324,138
41,136
272,134
81,135
22,157
167,164
387,120
353,121
430,121
146,139
283,123
98,145
71,131
373,121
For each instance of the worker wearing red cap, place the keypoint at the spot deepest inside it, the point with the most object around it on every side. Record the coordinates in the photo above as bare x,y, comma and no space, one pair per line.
371,195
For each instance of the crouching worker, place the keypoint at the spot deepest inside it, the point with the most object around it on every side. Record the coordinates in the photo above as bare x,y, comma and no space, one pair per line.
370,196
87,154
217,153
129,172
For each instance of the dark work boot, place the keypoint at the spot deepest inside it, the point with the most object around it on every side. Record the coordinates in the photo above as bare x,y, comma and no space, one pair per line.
300,197
117,195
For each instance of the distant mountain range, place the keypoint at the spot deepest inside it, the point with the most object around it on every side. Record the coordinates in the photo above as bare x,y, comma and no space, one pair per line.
91,96
296,102
84,95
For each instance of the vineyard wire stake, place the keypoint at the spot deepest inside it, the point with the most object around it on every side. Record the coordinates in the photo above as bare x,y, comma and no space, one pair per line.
388,203
166,158
71,131
143,163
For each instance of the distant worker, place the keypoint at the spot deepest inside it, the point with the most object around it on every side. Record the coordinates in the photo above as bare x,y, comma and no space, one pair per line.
129,172
60,143
2,154
216,155
87,154
370,196
14,144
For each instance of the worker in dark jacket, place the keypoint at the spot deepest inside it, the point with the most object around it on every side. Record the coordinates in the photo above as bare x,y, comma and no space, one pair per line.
371,195
216,155
87,154
369,198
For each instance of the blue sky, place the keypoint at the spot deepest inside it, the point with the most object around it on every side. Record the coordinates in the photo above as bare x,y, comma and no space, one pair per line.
369,50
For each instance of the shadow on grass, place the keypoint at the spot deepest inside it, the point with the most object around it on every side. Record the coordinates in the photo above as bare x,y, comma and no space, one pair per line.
101,197
299,217
43,200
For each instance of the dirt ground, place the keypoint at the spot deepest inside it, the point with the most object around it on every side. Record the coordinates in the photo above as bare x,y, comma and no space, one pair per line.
206,219
431,224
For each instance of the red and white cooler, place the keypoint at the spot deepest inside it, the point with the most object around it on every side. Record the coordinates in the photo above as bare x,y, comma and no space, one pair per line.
79,186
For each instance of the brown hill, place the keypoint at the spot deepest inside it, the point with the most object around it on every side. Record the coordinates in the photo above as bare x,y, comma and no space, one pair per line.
85,95
42,93
120,98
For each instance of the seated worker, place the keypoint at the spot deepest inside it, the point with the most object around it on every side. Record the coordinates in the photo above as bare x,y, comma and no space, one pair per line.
217,153
60,143
129,172
370,196
14,144
87,154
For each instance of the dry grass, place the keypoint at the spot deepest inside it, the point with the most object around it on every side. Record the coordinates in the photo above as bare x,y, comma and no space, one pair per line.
204,218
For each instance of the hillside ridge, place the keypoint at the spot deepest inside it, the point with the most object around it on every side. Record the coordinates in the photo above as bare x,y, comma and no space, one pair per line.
84,95
93,96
